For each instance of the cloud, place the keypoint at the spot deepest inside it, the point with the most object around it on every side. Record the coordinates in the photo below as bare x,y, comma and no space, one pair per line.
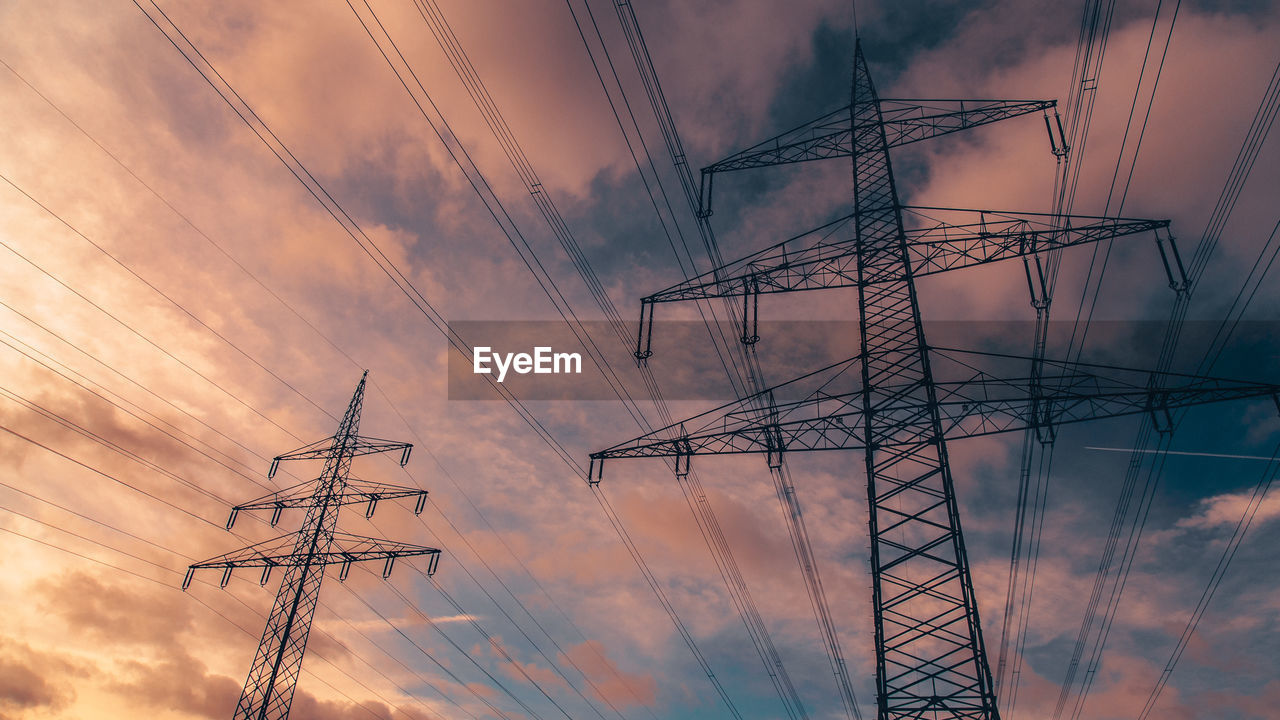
177,681
609,683
1226,510
114,613
733,72
35,681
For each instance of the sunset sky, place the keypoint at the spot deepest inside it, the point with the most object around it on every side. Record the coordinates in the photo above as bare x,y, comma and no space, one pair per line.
179,308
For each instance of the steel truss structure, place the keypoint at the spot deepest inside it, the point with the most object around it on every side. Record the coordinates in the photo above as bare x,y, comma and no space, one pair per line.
888,401
273,677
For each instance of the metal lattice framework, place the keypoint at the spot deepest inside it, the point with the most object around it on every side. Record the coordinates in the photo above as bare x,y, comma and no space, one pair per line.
813,261
888,401
273,677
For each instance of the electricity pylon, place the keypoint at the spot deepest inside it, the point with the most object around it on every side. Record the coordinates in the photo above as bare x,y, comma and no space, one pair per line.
886,401
273,677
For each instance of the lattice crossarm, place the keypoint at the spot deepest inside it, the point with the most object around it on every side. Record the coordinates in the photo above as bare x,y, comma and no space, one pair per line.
908,121
352,447
826,257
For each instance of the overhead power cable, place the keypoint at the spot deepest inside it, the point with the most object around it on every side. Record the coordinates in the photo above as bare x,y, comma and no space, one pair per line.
170,206
1252,144
750,374
174,35
448,41
178,573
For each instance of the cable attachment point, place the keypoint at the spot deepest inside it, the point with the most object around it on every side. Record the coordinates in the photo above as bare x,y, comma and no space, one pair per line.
750,310
776,446
704,194
644,333
1058,144
1041,407
1037,284
1175,271
1161,415
684,457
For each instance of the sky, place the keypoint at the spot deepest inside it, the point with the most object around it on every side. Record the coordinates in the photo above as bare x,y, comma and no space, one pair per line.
179,308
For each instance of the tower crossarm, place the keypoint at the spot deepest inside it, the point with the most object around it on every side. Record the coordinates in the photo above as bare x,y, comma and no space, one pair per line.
982,402
905,121
1065,392
350,446
345,550
353,492
825,257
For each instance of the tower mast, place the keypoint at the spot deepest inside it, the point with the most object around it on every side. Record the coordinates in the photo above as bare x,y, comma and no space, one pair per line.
273,676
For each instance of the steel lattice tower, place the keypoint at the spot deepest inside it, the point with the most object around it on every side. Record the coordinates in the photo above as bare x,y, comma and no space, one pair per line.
273,677
930,658
931,652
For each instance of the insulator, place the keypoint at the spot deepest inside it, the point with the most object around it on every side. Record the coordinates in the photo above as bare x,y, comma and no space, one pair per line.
1176,273
683,464
344,569
275,514
404,457
704,194
186,579
226,577
266,574
773,437
386,567
684,454
775,458
421,504
368,510
1161,416
1063,147
750,311
1037,285
644,334
1046,433
275,465
231,520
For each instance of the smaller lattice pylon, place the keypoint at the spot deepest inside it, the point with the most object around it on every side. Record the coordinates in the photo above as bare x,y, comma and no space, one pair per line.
304,555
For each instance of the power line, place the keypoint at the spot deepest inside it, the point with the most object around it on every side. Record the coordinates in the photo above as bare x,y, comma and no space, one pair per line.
122,323
244,111
231,259
520,163
158,469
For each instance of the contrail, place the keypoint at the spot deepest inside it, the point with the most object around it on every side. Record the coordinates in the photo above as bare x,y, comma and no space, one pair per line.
1179,452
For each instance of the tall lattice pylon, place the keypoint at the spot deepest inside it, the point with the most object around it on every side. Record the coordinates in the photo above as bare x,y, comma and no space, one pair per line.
273,677
930,657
